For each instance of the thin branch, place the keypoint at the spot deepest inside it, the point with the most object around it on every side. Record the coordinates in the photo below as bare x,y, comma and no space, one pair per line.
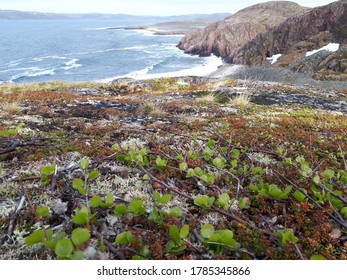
214,208
341,223
13,219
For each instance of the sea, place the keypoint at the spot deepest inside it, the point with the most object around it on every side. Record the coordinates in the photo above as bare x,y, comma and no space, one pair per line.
91,50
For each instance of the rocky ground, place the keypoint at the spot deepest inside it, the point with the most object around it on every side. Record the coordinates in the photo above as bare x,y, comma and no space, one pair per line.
185,168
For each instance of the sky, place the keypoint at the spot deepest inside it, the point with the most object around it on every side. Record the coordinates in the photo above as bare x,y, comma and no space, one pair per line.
140,7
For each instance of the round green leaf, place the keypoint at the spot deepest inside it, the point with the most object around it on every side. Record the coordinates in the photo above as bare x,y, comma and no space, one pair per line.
95,201
174,234
93,175
64,248
176,212
79,236
329,174
184,232
84,164
42,212
120,210
124,238
35,237
183,166
207,230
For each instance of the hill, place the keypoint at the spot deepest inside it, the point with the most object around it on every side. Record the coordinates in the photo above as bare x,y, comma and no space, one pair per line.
225,37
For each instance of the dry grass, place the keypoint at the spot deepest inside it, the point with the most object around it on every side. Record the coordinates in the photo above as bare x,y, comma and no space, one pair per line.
207,99
11,107
242,99
152,109
45,86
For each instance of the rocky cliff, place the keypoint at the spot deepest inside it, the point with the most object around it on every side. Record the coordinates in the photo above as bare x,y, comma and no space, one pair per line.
224,38
298,35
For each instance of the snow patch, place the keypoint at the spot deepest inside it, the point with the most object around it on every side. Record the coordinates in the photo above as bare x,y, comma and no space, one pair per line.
331,47
273,59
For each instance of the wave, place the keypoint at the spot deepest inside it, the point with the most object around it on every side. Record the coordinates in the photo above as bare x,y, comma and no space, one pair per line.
99,28
41,58
139,47
145,32
71,64
37,72
211,65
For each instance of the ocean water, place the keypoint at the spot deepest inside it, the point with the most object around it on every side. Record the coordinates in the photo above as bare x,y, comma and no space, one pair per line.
88,50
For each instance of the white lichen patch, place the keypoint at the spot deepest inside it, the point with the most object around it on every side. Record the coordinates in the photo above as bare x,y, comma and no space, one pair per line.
7,207
212,218
33,119
262,159
133,143
124,187
177,201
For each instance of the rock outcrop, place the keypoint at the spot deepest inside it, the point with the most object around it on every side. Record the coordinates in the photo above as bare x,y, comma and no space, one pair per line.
224,38
298,35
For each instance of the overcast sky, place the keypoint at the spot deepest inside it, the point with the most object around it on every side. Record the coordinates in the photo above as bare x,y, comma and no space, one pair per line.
140,7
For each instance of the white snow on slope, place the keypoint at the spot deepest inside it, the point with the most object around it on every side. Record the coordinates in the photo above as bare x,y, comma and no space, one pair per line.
331,47
273,59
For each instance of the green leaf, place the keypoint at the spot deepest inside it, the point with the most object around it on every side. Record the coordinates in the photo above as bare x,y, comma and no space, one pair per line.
165,198
343,212
224,200
176,212
227,237
175,235
183,166
329,174
93,175
285,236
120,210
299,196
161,162
82,216
161,199
190,173
35,237
317,258
64,248
198,171
243,203
218,162
172,248
235,153
136,208
207,231
184,231
84,164
201,200
316,180
124,238
211,144
78,184
77,255
79,236
95,201
146,177
48,170
257,171
42,212
156,217
109,199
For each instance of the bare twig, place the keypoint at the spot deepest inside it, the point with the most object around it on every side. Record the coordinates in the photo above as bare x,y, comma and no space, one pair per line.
17,144
332,193
297,250
340,222
13,219
214,208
